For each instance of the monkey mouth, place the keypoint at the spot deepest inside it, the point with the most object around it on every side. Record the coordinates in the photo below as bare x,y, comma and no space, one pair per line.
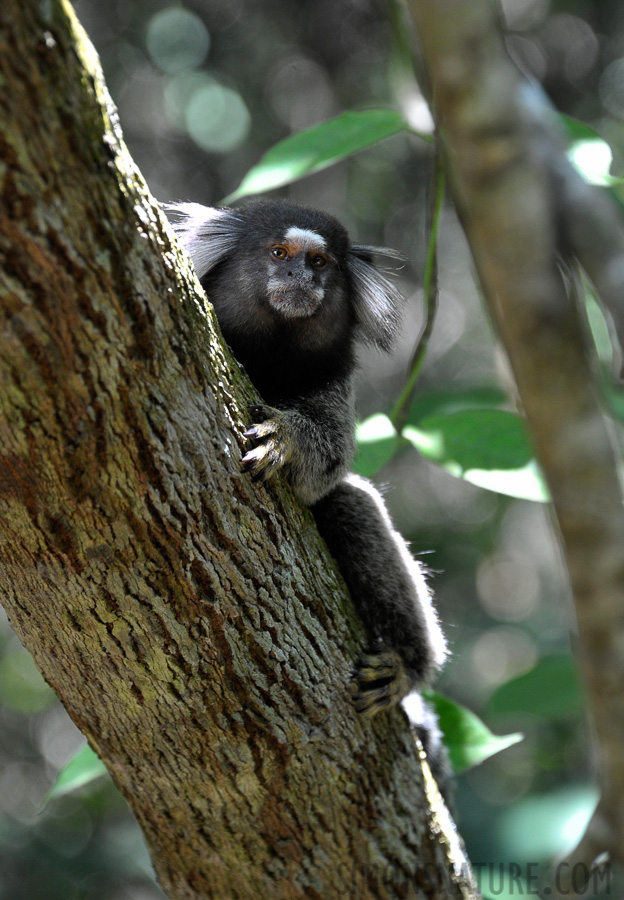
296,305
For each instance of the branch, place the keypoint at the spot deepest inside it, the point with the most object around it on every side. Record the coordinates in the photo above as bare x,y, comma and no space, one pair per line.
524,208
430,293
191,622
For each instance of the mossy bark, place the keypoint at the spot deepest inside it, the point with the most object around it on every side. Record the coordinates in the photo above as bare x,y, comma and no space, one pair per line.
191,622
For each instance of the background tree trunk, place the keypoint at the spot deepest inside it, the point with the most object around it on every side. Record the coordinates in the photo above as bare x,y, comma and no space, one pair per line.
530,219
192,624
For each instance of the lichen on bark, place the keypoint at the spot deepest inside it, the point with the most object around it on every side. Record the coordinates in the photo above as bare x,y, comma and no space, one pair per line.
190,621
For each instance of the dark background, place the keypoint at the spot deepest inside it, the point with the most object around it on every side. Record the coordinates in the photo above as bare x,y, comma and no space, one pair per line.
203,89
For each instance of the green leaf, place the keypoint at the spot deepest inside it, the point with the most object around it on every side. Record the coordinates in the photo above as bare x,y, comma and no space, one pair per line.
318,147
377,442
598,327
550,690
488,447
589,153
82,769
613,396
451,401
576,130
593,160
468,740
526,483
481,439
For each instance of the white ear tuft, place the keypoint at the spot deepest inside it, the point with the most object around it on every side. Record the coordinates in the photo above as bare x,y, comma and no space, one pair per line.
378,301
208,234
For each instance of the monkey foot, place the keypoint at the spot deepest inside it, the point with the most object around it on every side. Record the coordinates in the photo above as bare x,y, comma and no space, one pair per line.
380,681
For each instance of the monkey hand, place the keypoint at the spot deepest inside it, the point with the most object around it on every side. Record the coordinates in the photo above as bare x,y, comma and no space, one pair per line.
274,440
380,681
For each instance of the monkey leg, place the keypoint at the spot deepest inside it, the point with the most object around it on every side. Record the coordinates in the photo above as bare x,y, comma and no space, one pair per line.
389,590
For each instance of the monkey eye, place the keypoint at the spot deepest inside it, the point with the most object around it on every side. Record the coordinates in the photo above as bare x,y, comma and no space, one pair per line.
317,260
279,252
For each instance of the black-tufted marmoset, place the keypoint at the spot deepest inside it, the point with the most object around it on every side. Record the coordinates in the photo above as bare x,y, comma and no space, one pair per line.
294,298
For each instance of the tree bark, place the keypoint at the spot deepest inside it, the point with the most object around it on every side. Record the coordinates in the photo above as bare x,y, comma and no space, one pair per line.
190,621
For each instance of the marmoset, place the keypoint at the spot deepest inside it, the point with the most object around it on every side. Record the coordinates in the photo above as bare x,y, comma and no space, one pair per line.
294,297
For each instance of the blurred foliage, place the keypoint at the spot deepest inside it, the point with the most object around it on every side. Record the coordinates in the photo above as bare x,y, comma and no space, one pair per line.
468,741
314,149
205,90
84,768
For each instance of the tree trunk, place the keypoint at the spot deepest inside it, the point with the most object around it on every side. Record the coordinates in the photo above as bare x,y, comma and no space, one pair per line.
190,621
530,219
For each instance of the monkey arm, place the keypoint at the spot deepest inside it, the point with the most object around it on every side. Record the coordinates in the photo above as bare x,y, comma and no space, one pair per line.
310,438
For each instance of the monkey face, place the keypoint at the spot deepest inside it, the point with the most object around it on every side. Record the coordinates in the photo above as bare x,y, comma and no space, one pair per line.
285,280
299,268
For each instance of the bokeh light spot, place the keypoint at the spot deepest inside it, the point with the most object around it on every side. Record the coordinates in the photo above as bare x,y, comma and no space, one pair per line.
217,118
177,39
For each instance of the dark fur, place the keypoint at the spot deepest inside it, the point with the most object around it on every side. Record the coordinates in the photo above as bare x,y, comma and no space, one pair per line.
294,324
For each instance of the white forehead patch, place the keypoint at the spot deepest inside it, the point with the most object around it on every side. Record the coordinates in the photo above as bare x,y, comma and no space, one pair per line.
306,239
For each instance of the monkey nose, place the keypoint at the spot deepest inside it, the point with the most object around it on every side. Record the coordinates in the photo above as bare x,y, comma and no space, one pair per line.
296,268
